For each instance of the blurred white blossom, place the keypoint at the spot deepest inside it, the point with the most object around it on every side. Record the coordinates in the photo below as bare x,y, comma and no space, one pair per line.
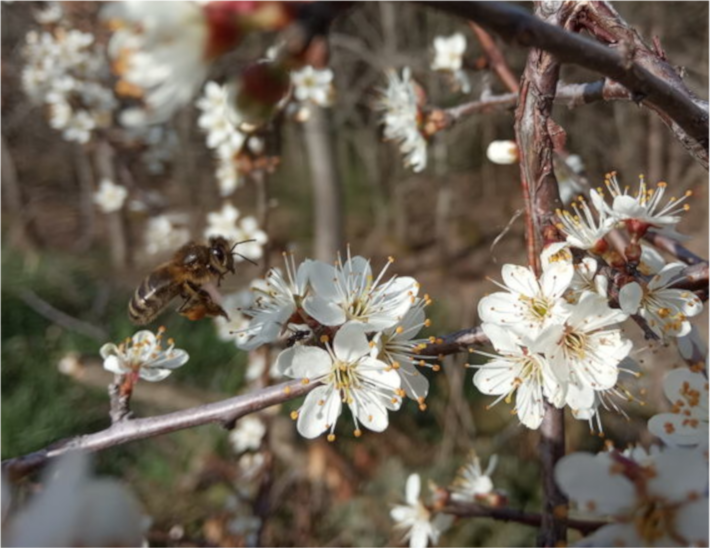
420,525
247,434
143,355
502,152
163,234
110,197
658,500
75,509
313,85
68,73
224,223
402,118
448,57
687,423
472,483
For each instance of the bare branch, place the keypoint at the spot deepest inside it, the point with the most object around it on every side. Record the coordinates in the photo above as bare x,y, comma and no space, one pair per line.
673,247
495,57
472,509
125,431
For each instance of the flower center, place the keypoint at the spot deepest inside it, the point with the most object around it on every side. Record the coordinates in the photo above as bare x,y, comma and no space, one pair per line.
653,521
345,378
575,343
539,307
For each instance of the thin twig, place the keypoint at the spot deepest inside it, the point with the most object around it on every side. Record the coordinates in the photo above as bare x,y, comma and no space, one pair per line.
43,308
673,247
495,57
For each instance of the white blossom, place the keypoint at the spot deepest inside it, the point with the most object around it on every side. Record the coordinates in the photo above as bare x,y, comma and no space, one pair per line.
143,356
529,304
402,118
348,376
163,234
448,57
224,223
586,349
472,483
75,509
110,197
349,292
314,85
52,13
419,524
448,52
586,280
275,302
660,500
247,434
687,423
517,370
665,309
503,152
646,205
583,229
160,50
398,347
219,120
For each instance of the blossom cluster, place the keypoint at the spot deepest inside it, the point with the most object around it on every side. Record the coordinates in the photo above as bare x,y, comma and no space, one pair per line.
557,337
650,498
350,331
65,71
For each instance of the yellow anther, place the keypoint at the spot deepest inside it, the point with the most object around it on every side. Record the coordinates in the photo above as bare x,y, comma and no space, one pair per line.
305,381
331,437
324,338
399,330
357,433
427,323
294,415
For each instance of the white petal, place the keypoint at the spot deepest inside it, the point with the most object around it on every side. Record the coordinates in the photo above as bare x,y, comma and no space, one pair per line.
692,522
501,338
630,297
325,311
350,342
310,362
114,365
370,411
681,474
556,279
520,280
413,488
323,278
591,482
154,375
319,412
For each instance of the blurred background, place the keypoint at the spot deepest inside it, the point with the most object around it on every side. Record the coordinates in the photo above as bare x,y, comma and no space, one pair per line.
69,269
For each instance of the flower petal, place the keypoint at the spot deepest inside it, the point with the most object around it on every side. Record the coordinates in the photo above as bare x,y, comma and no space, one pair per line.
350,342
630,297
319,412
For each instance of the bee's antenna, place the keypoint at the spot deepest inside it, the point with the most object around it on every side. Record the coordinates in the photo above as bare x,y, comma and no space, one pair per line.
242,242
245,258
240,255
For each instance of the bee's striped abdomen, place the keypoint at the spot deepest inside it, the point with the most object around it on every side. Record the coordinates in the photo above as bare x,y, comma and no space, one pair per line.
153,294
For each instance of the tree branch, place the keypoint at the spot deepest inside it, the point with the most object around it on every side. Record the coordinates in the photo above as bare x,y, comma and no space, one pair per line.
518,27
125,431
495,57
472,509
673,247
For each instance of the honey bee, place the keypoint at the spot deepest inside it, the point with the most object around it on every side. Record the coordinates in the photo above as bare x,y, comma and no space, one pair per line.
192,266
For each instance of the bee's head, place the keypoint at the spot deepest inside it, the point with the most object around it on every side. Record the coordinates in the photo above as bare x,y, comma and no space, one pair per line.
221,258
